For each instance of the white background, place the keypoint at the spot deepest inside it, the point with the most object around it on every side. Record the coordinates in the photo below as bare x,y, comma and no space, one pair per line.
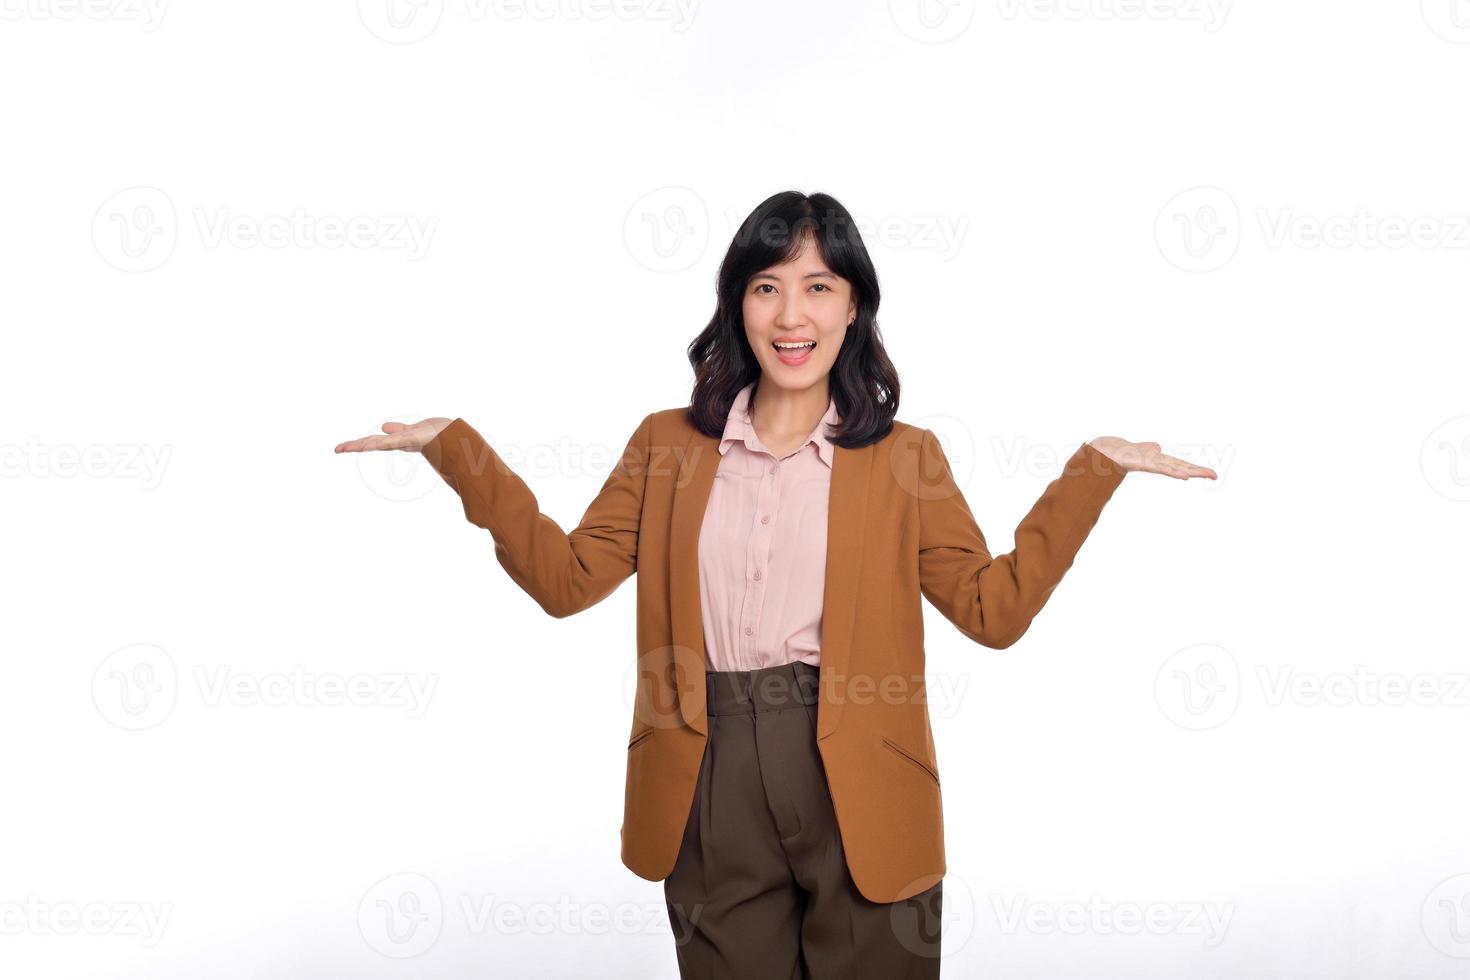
1239,229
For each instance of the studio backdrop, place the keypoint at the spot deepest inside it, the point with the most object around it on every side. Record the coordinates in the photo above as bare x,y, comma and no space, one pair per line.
271,710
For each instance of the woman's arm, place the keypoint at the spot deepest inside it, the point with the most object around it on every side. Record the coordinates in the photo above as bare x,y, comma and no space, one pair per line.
565,572
993,600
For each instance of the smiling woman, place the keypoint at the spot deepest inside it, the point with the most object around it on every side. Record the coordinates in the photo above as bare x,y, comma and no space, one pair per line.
784,527
797,274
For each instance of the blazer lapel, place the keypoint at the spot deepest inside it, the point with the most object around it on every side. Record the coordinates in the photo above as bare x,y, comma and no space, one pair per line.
692,482
847,520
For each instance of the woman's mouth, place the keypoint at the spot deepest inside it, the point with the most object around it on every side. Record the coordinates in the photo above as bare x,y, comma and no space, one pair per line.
794,353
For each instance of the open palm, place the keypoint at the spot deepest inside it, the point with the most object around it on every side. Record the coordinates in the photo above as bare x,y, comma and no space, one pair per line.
409,438
1146,457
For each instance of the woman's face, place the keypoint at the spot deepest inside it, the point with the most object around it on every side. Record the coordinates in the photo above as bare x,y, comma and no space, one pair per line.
800,300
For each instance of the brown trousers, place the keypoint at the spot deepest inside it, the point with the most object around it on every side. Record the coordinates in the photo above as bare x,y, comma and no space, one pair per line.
761,890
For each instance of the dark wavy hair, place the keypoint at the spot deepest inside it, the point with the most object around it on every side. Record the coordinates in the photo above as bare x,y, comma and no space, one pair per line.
863,382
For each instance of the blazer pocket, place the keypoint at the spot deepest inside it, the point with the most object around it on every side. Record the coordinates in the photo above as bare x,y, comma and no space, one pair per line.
640,737
911,757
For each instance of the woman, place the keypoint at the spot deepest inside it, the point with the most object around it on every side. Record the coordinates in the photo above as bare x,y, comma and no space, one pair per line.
781,777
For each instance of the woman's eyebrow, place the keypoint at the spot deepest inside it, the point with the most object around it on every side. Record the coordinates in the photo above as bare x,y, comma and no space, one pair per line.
809,275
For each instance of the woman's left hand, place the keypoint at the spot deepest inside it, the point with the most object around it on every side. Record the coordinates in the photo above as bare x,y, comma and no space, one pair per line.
1146,457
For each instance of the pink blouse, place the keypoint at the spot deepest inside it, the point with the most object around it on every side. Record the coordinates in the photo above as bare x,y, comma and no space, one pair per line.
763,547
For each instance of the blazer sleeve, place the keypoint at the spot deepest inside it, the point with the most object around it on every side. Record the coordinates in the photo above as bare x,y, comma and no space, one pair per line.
993,600
564,571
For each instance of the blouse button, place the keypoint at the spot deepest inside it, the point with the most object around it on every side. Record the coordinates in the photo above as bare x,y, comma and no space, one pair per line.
757,574
765,518
748,631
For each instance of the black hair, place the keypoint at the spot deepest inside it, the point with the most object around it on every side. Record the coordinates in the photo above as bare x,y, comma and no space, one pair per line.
863,382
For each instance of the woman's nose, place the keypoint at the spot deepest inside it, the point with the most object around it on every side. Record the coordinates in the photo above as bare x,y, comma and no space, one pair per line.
790,313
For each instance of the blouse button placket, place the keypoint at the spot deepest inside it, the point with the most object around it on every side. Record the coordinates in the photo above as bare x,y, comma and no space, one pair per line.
758,559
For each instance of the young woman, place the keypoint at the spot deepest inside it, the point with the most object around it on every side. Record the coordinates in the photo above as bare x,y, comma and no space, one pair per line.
782,780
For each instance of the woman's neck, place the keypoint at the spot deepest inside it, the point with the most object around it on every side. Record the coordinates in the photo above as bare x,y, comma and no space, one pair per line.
782,417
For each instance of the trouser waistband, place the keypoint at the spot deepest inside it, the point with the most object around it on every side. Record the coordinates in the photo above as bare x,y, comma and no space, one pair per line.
730,692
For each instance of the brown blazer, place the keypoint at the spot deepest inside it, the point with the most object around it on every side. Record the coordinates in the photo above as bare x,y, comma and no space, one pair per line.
898,527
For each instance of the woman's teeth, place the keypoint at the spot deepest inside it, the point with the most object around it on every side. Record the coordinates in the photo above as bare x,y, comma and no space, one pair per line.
793,353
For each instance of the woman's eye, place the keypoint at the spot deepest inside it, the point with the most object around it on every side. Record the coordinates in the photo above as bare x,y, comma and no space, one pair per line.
765,285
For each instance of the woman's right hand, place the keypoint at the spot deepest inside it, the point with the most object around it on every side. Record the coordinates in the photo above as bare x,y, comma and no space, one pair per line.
409,438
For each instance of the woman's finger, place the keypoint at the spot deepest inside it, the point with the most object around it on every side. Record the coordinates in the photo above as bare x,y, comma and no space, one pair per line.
375,442
1183,468
1193,469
